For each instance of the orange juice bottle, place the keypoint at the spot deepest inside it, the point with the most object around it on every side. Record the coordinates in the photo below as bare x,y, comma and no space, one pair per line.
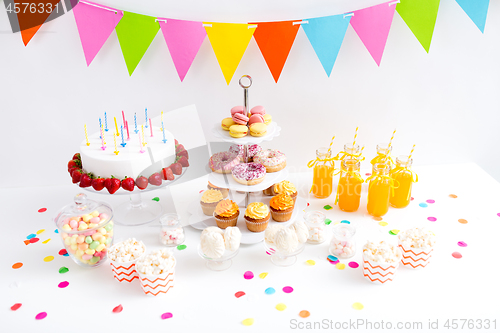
379,190
402,175
349,188
323,175
383,152
349,148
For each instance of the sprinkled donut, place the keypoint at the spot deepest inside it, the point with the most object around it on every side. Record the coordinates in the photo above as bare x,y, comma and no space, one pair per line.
249,173
240,150
272,159
223,162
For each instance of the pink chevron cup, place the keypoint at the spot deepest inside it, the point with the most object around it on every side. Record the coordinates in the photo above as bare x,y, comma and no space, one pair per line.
415,258
157,284
379,272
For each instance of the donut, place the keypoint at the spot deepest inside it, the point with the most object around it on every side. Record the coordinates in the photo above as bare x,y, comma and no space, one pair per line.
240,151
273,160
223,162
249,173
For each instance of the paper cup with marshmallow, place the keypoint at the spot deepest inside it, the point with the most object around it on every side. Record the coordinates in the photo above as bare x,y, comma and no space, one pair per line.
123,257
417,245
156,272
380,261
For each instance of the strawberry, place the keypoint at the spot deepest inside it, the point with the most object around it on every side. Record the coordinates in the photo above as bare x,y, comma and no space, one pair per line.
85,180
98,183
176,168
176,142
141,182
155,179
183,161
76,175
74,163
112,184
179,148
167,174
77,157
128,184
183,153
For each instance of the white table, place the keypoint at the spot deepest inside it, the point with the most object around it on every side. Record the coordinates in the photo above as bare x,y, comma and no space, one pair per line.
203,300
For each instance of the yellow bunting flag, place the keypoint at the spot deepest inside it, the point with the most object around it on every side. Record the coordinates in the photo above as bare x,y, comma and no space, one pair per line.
229,42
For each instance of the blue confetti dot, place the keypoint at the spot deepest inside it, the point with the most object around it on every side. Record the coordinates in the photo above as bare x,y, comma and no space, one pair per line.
345,221
56,231
423,204
66,254
270,291
31,236
332,258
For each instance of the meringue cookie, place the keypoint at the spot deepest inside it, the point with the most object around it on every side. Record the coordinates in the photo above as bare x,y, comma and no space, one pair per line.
212,244
232,238
286,240
301,230
271,231
212,229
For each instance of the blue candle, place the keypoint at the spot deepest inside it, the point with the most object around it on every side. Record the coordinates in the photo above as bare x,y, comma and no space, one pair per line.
135,122
100,126
123,140
106,122
163,129
146,117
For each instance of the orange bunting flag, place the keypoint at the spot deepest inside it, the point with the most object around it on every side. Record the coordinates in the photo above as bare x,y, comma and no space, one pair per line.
275,39
31,15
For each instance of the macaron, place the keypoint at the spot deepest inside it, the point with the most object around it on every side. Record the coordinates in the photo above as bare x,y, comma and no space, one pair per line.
238,131
259,109
255,118
240,118
226,123
268,119
258,129
238,109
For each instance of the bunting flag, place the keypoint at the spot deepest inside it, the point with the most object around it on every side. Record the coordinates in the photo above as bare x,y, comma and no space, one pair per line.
372,25
95,25
326,35
420,16
275,39
30,23
229,42
183,39
135,33
476,10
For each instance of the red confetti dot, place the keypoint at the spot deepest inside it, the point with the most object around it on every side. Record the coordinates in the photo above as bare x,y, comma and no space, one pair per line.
287,289
63,252
17,265
456,255
412,198
41,316
239,294
42,210
430,201
63,284
368,174
118,309
308,205
166,315
15,306
248,275
353,264
34,240
201,191
432,219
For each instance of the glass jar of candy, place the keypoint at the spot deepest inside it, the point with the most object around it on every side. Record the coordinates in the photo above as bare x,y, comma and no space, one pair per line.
315,222
171,233
86,229
343,245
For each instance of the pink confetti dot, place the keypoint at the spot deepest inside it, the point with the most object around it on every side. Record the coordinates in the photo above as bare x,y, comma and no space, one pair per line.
498,214
430,201
63,284
432,219
462,244
166,315
248,275
41,316
333,262
412,198
353,264
287,289
42,210
201,191
456,255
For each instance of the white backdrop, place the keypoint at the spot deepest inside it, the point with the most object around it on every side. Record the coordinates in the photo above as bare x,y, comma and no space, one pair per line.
446,101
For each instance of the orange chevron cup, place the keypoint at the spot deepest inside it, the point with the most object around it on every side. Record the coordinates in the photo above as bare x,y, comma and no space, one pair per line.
157,284
417,245
123,269
380,261
415,258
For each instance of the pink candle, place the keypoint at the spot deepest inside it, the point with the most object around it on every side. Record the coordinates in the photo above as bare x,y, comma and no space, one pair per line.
103,147
128,134
151,127
123,115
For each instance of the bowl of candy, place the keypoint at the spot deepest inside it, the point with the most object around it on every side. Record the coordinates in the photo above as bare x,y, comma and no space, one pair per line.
86,229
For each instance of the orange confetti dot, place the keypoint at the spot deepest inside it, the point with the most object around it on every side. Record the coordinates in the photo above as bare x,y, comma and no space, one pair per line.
463,221
454,196
304,313
27,242
377,218
17,265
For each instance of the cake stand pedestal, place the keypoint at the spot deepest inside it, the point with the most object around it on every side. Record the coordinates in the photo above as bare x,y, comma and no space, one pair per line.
137,212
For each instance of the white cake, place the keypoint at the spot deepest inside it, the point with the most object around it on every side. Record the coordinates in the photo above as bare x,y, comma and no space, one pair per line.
129,162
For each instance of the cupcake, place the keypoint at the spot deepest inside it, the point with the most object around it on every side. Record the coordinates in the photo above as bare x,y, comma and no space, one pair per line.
226,214
209,201
282,207
224,191
257,216
269,191
287,188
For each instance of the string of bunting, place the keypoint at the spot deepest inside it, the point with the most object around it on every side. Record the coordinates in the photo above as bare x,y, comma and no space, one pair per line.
229,41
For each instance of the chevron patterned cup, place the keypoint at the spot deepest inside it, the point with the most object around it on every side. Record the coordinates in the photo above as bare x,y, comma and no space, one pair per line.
124,271
157,284
415,258
379,272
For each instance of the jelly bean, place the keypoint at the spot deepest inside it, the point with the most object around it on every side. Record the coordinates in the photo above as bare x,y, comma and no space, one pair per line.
90,251
79,253
91,232
88,240
74,247
95,213
108,241
64,235
92,225
72,240
83,246
102,231
94,245
108,227
66,227
94,260
73,224
80,239
86,256
103,216
76,218
95,220
100,247
83,226
96,236
86,218
67,241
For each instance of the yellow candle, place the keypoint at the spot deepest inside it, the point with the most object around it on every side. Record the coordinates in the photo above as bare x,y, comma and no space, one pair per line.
116,147
102,134
86,135
116,126
161,129
143,138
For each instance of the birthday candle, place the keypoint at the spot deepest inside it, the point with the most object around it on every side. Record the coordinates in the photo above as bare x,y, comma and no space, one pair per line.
102,135
116,147
123,141
135,122
100,125
140,143
146,117
162,120
163,129
151,127
106,121
86,135
116,127
123,115
143,138
128,133
103,144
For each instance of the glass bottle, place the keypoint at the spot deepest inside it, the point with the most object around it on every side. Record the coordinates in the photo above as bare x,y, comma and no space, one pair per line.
403,177
349,148
323,175
349,188
379,190
343,245
383,152
171,233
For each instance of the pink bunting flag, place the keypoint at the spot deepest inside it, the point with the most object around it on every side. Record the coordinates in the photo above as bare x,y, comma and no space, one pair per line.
95,23
372,25
183,39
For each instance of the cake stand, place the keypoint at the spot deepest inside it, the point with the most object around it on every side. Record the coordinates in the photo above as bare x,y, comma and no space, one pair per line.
219,264
283,259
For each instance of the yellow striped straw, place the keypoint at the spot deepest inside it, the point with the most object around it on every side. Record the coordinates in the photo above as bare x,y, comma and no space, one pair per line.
392,137
331,142
355,136
411,153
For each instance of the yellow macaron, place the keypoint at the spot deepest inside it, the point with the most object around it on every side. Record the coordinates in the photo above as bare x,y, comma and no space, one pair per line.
238,131
268,119
226,123
258,129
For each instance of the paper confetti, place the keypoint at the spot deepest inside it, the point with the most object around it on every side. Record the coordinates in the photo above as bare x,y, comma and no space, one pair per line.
166,315
40,231
48,258
118,309
46,241
248,322
368,174
263,275
310,262
328,221
304,313
30,236
27,242
327,207
353,264
345,221
332,258
377,218
270,291
412,198
340,266
248,275
63,284
456,255
56,231
498,214
181,247
280,307
463,221
34,240
430,201
423,204
239,294
383,224
394,232
156,199
15,306
334,262
454,196
63,270
358,306
41,316
462,244
63,252
287,289
201,191
308,204
432,219
17,265
42,210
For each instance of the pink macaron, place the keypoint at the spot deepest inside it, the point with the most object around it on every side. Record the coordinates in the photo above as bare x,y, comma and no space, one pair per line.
255,118
259,109
240,118
238,109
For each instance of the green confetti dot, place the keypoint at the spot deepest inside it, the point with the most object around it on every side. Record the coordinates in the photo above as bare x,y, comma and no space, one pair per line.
63,270
181,247
328,221
156,199
327,207
394,232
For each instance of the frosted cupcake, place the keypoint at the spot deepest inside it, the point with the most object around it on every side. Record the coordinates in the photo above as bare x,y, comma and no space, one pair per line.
282,207
257,216
226,214
209,201
285,187
224,191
